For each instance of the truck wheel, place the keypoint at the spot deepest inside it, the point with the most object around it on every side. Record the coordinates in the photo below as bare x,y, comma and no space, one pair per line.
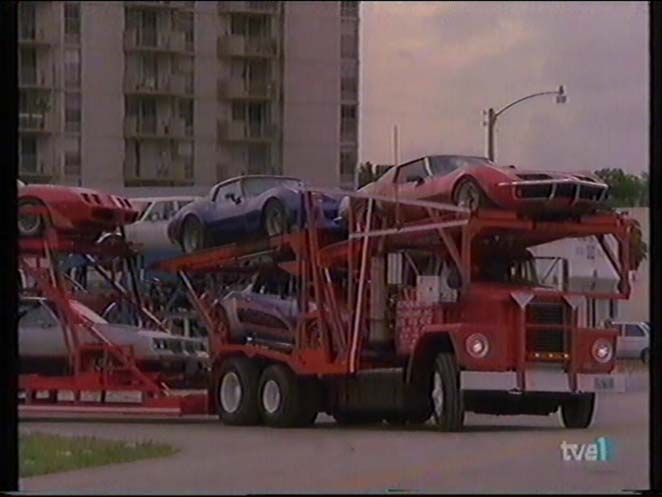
280,398
236,389
447,401
578,412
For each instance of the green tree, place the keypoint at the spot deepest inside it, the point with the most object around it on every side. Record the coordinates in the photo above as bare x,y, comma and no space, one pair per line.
625,190
366,174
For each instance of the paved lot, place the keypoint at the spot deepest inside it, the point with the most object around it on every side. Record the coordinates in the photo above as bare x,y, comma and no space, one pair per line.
494,454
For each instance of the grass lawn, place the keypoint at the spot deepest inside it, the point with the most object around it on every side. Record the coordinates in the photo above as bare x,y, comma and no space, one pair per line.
41,453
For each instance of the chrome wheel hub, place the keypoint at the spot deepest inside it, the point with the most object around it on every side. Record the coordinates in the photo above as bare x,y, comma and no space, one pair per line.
271,397
231,393
437,394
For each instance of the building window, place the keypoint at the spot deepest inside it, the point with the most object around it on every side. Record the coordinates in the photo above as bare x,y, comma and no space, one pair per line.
72,160
72,23
348,159
349,80
186,114
185,24
349,9
72,112
349,36
72,68
149,70
148,29
27,20
147,115
348,123
27,150
27,66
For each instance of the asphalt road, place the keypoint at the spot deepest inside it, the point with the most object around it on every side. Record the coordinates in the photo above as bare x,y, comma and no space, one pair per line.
494,454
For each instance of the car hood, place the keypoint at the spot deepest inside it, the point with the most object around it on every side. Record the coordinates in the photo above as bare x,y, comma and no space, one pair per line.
517,174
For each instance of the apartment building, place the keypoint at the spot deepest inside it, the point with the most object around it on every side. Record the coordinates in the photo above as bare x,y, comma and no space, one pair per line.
163,96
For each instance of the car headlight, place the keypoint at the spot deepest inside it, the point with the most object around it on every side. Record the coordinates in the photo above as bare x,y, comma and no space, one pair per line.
602,350
477,345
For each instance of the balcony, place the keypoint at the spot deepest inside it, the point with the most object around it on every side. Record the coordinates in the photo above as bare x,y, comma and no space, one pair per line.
159,5
242,46
29,36
166,85
247,8
34,123
249,90
242,131
35,79
167,129
164,42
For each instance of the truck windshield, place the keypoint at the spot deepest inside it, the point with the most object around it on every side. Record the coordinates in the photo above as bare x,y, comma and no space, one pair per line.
509,270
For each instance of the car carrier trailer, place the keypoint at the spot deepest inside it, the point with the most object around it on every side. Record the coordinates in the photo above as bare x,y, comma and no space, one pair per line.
406,320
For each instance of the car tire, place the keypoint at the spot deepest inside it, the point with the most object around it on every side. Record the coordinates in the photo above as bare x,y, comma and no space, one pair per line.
446,396
578,412
645,356
469,194
31,225
274,218
236,392
193,236
280,398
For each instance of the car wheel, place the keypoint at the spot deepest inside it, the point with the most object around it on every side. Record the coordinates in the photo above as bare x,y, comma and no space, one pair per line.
30,224
193,236
281,399
274,218
578,412
446,396
470,195
645,356
236,389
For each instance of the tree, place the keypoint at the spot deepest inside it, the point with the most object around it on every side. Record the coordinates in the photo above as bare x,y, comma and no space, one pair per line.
366,174
625,190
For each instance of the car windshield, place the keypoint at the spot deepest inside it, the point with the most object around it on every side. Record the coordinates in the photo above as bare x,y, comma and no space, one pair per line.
256,186
443,164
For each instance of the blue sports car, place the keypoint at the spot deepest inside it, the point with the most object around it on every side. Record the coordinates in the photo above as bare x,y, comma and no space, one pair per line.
244,208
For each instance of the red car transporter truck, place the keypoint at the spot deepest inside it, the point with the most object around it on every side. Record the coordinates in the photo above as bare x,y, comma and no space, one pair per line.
431,318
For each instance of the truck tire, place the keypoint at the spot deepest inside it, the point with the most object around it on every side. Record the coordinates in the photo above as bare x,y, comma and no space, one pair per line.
578,412
280,398
236,392
447,401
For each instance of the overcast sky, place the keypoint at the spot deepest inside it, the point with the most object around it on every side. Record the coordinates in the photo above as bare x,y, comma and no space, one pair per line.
432,67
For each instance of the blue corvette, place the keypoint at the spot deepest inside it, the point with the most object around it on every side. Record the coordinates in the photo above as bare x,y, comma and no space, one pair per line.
244,208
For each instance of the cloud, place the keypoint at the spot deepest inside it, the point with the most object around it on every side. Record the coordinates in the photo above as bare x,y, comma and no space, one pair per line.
432,67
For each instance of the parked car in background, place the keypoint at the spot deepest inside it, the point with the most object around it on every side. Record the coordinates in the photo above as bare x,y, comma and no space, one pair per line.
42,349
476,182
243,208
633,340
79,212
150,230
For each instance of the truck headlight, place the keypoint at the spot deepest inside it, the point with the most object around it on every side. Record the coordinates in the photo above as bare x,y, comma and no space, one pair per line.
477,345
602,350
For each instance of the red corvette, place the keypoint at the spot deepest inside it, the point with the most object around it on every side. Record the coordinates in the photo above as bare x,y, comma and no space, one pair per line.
476,182
75,211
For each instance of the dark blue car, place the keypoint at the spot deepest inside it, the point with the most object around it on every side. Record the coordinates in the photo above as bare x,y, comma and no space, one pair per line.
246,207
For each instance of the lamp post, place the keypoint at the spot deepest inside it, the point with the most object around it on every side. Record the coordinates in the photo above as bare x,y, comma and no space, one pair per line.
491,115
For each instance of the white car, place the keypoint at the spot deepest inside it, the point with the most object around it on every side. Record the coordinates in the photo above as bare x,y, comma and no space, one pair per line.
149,232
633,340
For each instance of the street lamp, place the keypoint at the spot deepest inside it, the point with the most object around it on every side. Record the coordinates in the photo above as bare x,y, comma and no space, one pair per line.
491,115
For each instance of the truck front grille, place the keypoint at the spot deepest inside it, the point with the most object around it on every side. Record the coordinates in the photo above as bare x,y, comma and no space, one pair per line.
546,340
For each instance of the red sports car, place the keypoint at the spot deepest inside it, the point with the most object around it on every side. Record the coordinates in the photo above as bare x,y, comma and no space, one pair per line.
75,211
476,182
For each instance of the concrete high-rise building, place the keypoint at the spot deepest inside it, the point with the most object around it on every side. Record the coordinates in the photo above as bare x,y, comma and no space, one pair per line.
129,96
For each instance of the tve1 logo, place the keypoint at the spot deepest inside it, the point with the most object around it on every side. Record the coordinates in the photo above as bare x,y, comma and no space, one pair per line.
602,450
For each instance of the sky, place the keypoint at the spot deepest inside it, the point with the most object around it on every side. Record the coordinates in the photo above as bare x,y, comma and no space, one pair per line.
431,68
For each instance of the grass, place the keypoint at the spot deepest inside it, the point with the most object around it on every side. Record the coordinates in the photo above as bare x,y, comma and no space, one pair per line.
42,453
